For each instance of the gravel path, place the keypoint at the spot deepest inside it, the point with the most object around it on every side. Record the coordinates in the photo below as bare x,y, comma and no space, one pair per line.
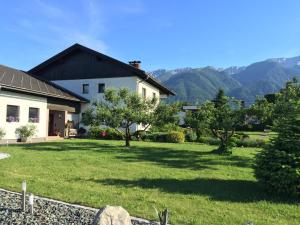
4,155
47,211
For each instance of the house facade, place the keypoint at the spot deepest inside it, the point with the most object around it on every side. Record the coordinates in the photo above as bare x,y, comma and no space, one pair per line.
61,88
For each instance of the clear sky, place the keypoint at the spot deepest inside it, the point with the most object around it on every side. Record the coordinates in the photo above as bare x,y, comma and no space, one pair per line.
161,33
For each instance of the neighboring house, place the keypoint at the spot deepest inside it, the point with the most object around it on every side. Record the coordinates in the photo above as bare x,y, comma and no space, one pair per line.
61,88
182,113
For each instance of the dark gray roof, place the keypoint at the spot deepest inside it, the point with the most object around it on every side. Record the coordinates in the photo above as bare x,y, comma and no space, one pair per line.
80,62
16,80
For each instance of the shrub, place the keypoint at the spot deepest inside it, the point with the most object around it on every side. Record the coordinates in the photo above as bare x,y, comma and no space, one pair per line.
256,143
175,137
209,140
156,136
191,136
95,132
2,133
25,132
113,134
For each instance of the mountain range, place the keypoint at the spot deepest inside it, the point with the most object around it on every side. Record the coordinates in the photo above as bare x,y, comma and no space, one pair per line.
196,85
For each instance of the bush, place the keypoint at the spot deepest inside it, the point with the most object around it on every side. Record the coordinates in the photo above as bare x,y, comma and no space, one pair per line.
2,133
190,136
105,133
256,143
156,136
25,132
114,134
175,137
95,132
209,140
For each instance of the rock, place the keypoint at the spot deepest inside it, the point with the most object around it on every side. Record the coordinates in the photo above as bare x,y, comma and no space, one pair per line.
112,215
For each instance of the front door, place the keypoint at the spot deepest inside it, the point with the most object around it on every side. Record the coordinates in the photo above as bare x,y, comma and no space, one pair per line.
51,124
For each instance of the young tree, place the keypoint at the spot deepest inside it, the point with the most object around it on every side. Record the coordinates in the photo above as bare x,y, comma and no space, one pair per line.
165,114
120,109
225,117
199,119
278,165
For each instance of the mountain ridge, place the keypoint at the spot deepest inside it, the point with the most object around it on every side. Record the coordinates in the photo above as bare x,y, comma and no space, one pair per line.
196,85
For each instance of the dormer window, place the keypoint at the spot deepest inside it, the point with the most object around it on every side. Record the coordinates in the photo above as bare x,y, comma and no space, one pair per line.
85,89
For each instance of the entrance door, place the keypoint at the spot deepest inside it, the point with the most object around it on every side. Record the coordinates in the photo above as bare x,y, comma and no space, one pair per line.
51,124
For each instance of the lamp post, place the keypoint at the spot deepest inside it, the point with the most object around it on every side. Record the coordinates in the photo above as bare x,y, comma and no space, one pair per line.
31,200
23,195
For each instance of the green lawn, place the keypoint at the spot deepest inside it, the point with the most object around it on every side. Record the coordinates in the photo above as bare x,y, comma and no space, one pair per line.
197,186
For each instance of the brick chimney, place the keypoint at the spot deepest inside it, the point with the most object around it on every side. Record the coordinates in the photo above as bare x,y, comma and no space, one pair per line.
136,64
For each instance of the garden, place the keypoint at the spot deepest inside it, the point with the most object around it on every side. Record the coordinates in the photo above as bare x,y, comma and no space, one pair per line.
229,164
198,187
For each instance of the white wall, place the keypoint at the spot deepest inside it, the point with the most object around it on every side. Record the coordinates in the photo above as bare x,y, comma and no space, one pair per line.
24,102
132,83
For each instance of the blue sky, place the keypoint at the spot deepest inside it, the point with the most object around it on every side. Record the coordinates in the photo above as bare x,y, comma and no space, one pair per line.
161,33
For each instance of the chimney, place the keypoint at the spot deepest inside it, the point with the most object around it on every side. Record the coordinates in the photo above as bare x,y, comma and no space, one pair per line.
136,64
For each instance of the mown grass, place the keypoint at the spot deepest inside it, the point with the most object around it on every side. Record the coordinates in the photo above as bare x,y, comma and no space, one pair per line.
198,187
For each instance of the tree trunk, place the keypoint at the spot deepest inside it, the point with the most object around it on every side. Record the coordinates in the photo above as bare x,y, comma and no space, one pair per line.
127,137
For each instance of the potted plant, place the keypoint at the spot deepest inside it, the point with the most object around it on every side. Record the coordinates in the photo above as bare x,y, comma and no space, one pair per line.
25,132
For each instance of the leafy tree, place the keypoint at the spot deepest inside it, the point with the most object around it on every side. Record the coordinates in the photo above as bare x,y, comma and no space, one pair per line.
165,114
199,119
278,165
120,109
262,111
226,115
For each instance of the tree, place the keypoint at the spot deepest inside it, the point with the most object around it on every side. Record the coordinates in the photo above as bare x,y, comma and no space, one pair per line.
226,115
262,111
278,164
200,118
120,109
165,114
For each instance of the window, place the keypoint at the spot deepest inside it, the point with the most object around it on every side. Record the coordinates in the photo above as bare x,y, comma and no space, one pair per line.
12,113
154,95
101,88
34,115
144,93
85,88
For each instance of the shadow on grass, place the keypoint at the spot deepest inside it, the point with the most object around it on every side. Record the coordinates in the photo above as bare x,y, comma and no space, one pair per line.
215,189
164,156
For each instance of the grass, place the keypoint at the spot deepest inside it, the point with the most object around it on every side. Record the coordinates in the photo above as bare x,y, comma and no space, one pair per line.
260,135
197,186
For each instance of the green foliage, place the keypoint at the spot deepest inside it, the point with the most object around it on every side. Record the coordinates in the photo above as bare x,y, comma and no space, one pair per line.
105,133
121,109
191,136
209,140
170,136
26,131
226,115
2,133
165,115
278,165
176,137
114,134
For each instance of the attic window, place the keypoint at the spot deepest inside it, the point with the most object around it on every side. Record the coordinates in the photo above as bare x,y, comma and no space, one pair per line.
85,89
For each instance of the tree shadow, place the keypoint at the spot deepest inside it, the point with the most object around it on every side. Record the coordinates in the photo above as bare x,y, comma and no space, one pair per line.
163,156
216,189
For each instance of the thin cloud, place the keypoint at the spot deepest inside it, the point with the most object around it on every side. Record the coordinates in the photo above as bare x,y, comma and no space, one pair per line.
59,27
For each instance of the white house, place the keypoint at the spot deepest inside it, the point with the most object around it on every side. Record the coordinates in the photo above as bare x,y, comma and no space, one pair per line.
62,87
